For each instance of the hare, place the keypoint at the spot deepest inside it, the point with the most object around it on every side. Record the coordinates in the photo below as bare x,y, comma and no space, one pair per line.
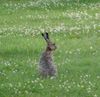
46,66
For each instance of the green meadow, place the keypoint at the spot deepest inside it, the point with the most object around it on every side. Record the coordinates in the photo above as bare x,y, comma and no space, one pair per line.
74,25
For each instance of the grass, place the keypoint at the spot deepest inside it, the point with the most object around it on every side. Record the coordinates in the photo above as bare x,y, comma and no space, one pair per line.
74,28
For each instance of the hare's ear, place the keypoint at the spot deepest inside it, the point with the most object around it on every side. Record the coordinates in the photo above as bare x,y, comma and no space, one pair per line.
42,34
45,37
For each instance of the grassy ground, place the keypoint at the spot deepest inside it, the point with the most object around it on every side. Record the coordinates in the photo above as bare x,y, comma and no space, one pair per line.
74,27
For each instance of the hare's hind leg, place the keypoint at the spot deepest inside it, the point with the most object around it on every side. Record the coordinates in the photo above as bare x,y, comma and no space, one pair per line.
52,72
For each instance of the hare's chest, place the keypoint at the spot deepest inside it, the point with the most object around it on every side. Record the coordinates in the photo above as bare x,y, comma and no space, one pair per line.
46,60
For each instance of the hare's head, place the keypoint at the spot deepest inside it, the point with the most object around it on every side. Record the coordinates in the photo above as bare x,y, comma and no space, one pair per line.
50,46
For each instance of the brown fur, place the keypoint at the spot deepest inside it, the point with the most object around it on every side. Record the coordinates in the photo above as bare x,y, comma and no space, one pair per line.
46,66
